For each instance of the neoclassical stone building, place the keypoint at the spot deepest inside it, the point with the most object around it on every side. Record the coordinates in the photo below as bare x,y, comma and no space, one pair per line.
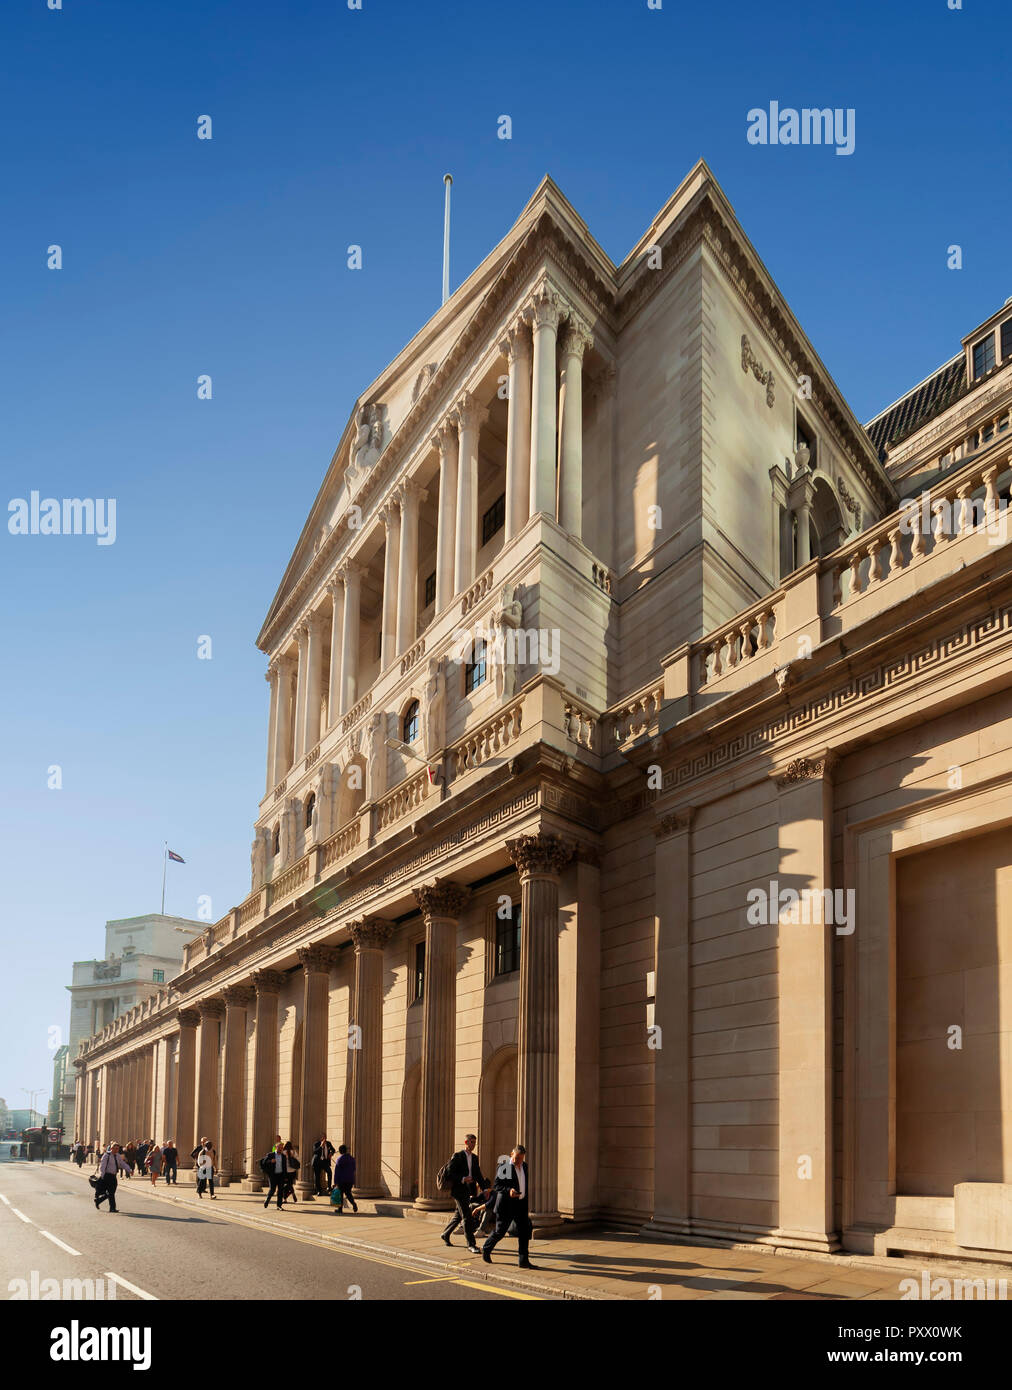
638,774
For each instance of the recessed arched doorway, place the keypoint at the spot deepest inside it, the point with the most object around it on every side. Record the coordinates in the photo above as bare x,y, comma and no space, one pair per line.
498,1108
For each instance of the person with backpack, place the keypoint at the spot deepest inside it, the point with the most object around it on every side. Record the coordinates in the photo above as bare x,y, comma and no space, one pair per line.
344,1178
206,1169
463,1177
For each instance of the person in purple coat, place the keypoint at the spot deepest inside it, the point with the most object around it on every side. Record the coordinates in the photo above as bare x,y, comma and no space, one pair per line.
344,1176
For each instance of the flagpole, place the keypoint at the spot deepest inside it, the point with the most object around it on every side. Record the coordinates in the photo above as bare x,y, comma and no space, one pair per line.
165,860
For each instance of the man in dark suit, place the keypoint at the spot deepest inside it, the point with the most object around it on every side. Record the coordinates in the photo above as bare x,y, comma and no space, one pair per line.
323,1153
467,1184
511,1205
274,1167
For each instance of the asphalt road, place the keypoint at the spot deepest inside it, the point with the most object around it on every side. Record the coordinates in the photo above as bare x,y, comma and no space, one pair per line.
49,1229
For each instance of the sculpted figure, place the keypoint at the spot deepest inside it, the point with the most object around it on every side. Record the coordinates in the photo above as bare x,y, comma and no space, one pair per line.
506,620
434,704
376,757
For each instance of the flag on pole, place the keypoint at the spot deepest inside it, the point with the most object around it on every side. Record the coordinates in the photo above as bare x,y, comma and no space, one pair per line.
177,857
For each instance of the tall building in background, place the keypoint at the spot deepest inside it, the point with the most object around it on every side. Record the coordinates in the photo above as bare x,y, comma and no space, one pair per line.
141,955
639,774
60,1092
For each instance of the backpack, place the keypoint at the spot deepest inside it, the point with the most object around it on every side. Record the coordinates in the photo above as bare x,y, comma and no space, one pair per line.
444,1178
266,1163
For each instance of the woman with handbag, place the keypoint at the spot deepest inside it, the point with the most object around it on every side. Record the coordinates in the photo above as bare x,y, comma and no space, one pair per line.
292,1155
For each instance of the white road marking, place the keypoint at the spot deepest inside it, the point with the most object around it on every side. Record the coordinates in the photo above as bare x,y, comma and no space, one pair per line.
152,1298
26,1219
69,1248
6,1200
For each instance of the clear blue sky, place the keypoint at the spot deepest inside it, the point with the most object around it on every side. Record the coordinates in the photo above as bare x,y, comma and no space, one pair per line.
228,257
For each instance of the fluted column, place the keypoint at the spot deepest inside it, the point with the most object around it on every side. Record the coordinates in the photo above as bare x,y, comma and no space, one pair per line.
314,681
391,554
231,1136
517,351
445,440
575,343
147,1092
211,1012
186,1058
370,936
133,1102
272,725
470,417
539,860
302,637
283,743
441,905
352,576
267,984
317,963
411,498
104,1115
336,591
546,313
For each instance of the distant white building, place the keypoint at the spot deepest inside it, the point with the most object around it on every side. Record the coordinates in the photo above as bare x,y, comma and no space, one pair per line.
141,955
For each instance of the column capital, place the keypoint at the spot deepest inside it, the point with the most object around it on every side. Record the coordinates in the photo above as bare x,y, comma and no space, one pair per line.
409,493
468,413
302,631
546,307
515,344
267,981
314,620
370,933
237,996
390,512
350,570
539,856
210,1008
443,898
273,668
674,822
317,960
335,586
805,770
578,336
444,436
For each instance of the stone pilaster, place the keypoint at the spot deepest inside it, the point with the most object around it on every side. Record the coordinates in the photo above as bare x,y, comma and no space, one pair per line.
283,746
336,591
317,963
231,1130
539,860
273,680
370,936
186,1061
314,681
211,1011
267,984
445,441
302,637
517,350
441,904
579,1021
351,573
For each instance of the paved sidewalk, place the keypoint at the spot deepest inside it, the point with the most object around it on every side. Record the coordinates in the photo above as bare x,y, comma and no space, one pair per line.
594,1264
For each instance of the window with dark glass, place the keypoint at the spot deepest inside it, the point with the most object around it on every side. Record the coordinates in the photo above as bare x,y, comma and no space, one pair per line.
276,847
410,730
310,808
507,941
474,672
494,519
983,356
419,970
430,590
158,976
1006,339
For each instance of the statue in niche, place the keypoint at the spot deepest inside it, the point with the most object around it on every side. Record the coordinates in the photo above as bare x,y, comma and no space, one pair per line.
286,831
506,621
258,859
324,810
376,757
434,706
368,442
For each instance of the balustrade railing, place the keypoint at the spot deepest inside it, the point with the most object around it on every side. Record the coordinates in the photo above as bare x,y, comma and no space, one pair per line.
489,739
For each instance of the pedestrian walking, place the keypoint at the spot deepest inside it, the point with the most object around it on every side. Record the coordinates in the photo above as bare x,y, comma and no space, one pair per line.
142,1154
79,1153
206,1169
511,1206
274,1167
130,1157
110,1165
153,1161
463,1173
170,1158
323,1153
91,1153
292,1156
344,1177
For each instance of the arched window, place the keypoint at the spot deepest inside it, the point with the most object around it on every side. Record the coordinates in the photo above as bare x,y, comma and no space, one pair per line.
276,840
474,673
409,730
310,808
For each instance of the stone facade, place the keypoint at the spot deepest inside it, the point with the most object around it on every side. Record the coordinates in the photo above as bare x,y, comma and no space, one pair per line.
633,754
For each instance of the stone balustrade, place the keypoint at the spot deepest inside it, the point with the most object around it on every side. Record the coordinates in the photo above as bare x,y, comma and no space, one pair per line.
747,635
636,715
476,593
356,712
488,740
412,656
341,844
581,724
403,799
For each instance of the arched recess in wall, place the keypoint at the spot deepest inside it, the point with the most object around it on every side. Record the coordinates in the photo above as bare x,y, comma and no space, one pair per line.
350,797
829,527
411,1132
497,1108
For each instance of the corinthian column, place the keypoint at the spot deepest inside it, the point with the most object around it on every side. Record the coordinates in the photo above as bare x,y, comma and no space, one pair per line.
267,984
370,936
182,1128
283,745
517,351
411,498
445,440
231,1136
316,962
575,343
392,527
272,726
441,905
545,316
314,678
539,860
336,591
470,417
351,573
211,1012
302,636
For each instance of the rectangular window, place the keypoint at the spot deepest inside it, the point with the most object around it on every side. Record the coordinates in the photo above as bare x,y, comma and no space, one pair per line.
507,942
983,356
1006,339
158,976
419,989
430,590
494,519
474,672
